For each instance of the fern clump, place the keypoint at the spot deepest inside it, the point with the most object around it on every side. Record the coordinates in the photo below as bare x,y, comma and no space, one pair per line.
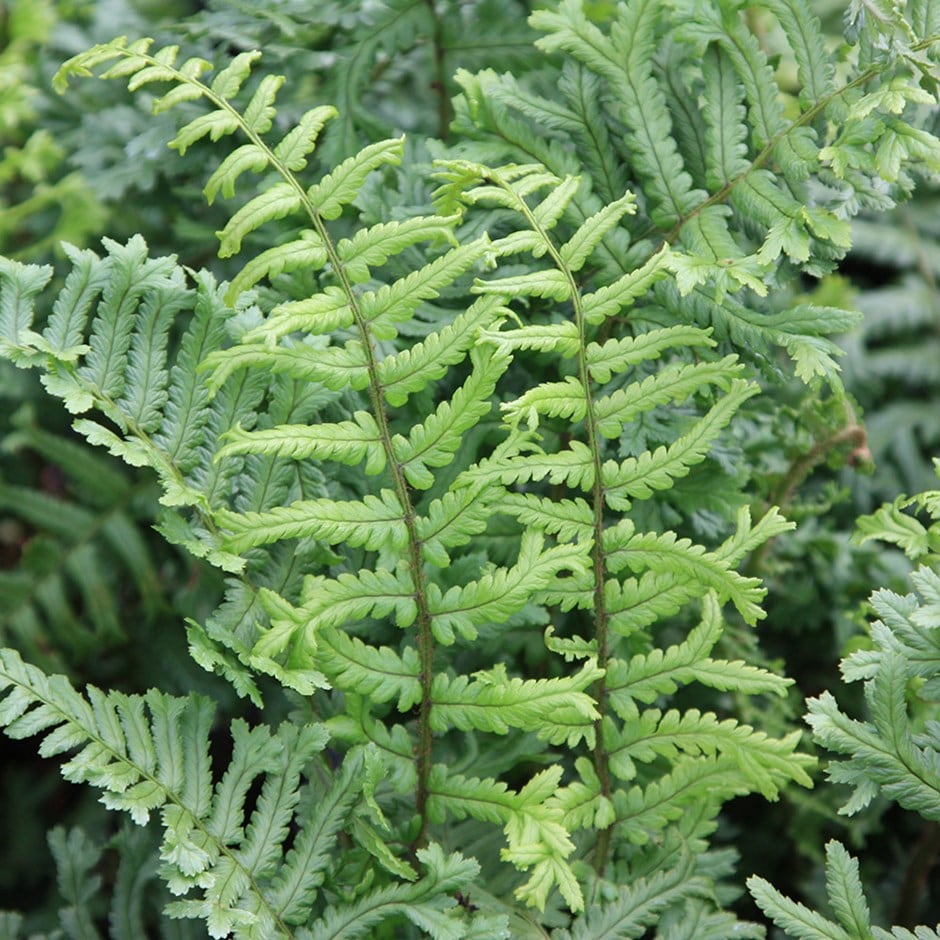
419,445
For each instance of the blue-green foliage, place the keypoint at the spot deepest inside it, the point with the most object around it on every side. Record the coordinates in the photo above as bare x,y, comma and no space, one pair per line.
325,429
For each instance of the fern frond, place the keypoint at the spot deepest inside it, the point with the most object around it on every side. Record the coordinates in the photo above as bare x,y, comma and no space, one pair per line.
637,906
558,710
375,522
625,59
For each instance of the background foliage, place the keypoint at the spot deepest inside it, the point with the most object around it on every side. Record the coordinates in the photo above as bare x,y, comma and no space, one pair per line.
89,590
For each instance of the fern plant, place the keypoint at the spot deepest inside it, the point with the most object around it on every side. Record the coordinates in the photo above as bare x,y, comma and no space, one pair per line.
384,596
892,752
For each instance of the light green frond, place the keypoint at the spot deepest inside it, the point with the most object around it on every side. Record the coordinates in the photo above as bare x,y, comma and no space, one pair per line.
537,840
558,710
396,302
639,477
334,602
348,442
566,518
307,253
549,283
616,355
414,367
576,251
767,762
452,521
336,367
374,522
276,202
338,189
666,553
371,247
434,442
544,337
502,592
552,399
378,673
572,466
636,603
672,383
608,301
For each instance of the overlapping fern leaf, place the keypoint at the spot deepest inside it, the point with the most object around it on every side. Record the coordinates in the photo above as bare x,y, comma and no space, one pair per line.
679,103
635,578
248,869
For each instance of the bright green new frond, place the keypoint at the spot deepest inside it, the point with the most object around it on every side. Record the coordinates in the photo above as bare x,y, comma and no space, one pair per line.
338,188
336,367
616,355
646,676
306,253
434,442
374,523
553,399
609,300
413,368
572,466
502,592
566,518
279,200
576,251
558,710
333,602
636,603
537,840
766,762
639,477
672,383
318,315
666,553
348,442
452,521
371,247
543,337
380,674
396,302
